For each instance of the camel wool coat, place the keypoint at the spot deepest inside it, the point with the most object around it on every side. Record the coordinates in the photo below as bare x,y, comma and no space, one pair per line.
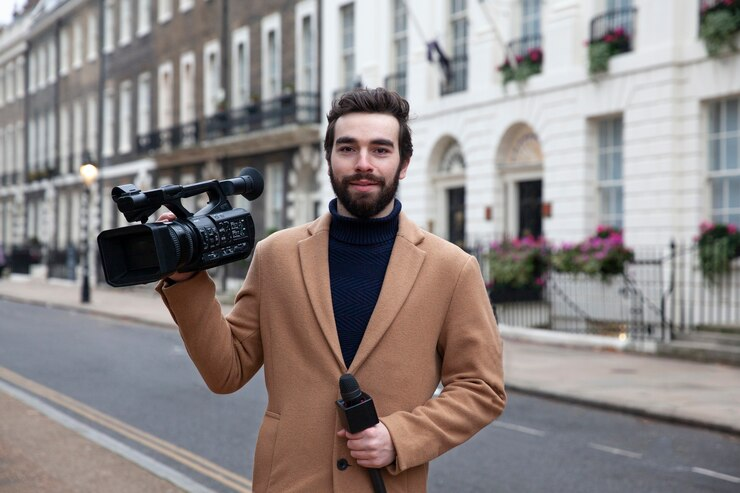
432,323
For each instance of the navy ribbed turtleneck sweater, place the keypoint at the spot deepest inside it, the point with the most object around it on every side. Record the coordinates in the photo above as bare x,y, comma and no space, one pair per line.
359,250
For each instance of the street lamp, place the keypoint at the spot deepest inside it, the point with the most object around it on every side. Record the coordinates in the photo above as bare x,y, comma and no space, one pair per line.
88,172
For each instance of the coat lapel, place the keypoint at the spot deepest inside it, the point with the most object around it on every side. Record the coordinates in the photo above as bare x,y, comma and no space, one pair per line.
403,268
313,252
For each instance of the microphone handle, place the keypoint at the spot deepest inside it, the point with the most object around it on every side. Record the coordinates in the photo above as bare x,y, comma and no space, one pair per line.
377,480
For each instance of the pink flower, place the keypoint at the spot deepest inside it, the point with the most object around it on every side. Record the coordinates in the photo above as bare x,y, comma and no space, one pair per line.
732,229
619,32
705,226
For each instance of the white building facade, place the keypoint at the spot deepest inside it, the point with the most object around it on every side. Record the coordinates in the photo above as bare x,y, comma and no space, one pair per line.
649,145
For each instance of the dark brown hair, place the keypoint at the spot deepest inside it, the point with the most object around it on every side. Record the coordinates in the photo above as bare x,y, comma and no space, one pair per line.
378,100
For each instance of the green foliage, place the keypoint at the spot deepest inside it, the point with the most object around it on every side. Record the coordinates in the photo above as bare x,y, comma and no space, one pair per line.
603,254
719,28
600,50
519,263
718,245
526,66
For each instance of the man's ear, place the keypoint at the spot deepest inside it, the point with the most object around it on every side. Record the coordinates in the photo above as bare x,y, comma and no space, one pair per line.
404,169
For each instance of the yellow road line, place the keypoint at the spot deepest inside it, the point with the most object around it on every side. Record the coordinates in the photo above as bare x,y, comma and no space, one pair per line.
228,478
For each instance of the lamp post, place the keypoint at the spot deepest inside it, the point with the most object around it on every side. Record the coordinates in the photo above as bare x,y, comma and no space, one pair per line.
88,172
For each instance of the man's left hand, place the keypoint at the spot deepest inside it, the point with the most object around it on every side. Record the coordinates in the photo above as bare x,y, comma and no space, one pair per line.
371,448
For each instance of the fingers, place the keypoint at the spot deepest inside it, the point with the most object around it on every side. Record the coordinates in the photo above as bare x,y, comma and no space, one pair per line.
371,447
166,216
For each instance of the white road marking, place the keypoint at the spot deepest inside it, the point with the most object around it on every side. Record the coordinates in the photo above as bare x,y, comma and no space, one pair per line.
716,475
519,428
615,451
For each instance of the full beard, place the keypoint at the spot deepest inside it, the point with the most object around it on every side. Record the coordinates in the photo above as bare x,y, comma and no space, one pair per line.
364,205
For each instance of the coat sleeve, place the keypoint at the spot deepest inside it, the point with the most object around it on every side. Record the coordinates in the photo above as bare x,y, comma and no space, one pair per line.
472,377
226,350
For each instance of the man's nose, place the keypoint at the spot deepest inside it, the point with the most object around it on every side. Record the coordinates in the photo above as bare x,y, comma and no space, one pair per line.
363,162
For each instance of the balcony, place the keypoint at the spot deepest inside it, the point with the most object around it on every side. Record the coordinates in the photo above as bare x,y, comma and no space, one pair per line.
396,82
146,143
458,79
611,34
290,108
528,54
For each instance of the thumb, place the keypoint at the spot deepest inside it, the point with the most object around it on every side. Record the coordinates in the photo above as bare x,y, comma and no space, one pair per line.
342,433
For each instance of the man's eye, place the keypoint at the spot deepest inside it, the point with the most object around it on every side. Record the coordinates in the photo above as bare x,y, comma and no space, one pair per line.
382,150
345,149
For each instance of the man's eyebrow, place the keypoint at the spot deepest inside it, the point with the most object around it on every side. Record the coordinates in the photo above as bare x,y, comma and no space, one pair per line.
352,140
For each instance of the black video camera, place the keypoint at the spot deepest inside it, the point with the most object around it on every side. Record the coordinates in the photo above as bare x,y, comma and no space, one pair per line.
216,235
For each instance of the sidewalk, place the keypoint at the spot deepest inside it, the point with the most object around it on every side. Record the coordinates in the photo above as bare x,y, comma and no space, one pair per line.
584,369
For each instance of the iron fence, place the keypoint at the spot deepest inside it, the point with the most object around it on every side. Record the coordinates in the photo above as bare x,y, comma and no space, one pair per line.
663,293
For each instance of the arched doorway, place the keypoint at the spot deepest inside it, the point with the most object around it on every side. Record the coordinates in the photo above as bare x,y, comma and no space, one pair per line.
519,188
448,180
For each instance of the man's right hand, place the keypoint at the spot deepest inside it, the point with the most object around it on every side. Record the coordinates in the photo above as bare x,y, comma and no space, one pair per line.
175,276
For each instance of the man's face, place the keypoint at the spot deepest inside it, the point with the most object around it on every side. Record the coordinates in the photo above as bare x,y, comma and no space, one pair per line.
365,165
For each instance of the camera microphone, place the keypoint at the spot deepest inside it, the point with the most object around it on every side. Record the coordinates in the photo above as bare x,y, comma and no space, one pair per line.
357,412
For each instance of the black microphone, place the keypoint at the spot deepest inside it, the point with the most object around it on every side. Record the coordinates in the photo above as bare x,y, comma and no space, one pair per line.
357,412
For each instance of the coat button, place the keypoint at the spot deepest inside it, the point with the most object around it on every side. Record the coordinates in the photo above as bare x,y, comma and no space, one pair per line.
342,464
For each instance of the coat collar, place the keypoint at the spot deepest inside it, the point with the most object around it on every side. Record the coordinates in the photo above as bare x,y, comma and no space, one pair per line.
403,268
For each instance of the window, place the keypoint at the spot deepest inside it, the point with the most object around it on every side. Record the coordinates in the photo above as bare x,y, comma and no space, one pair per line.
458,36
78,127
724,160
19,149
31,144
347,44
400,47
2,86
618,4
531,18
124,35
31,72
20,65
610,187
240,63
92,37
213,94
92,123
64,51
64,139
109,121
144,17
187,88
144,101
165,96
52,151
10,82
42,67
9,144
124,118
52,49
306,49
271,50
77,49
275,191
164,11
41,141
109,40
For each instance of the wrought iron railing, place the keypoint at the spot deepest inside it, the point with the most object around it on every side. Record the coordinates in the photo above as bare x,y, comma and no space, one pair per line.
148,142
522,46
299,108
612,21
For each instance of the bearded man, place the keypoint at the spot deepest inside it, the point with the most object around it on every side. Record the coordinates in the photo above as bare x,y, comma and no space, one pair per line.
363,290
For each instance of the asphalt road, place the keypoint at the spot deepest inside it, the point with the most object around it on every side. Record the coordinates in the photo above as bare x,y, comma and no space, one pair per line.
137,384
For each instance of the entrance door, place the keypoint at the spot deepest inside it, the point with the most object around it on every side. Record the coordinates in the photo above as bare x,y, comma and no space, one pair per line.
530,208
456,217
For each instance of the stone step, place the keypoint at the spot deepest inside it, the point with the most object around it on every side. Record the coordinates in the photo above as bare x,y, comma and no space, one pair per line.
702,351
720,338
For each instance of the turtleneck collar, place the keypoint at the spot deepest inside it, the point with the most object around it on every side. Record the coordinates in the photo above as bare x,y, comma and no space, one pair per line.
364,231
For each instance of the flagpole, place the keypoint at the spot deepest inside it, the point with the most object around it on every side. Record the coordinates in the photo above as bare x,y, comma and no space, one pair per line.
508,52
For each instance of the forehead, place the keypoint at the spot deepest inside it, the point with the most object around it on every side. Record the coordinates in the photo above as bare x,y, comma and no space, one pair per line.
367,126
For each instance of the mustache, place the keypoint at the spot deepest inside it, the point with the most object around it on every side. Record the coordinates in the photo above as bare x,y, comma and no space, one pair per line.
364,176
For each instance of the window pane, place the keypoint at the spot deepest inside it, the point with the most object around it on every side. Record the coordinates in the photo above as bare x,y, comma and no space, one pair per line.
714,118
617,165
618,201
717,194
714,155
734,219
731,117
731,154
734,192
